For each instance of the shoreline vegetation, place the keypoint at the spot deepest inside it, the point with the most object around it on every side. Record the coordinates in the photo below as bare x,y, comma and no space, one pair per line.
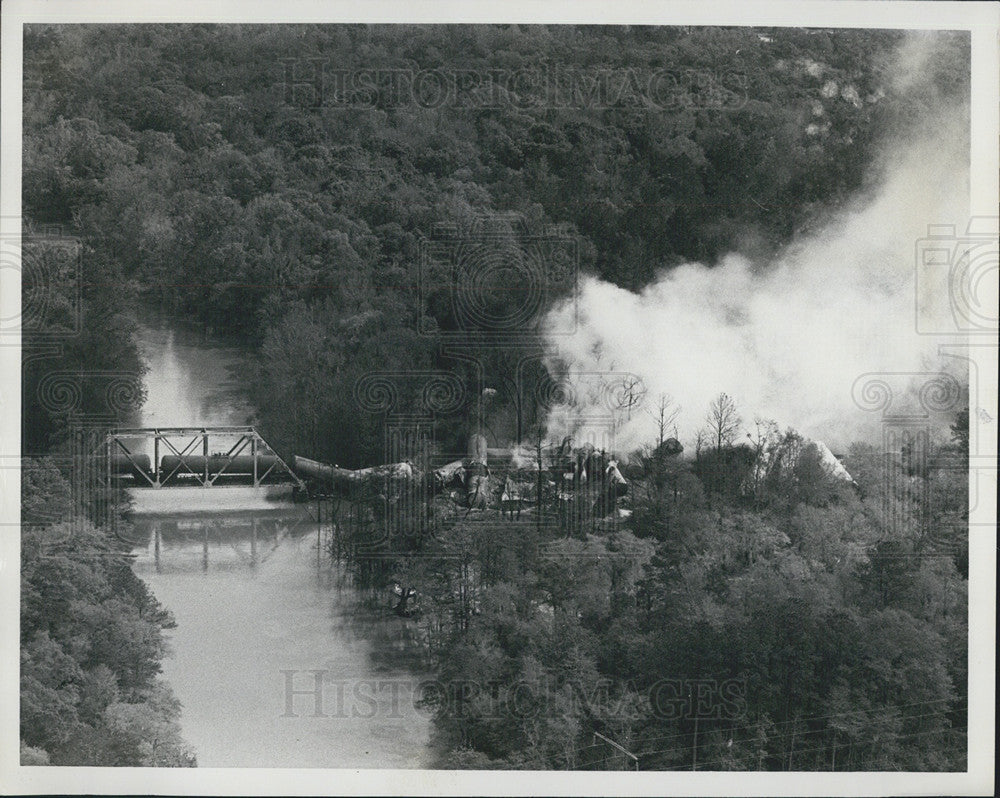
91,641
802,626
739,618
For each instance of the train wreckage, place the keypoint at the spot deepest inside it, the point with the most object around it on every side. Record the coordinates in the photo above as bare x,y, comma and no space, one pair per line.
512,480
508,479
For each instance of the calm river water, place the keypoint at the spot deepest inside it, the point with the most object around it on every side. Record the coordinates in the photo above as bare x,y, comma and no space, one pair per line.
260,615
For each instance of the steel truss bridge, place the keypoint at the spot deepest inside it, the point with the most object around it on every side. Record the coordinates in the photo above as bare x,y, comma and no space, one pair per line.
183,456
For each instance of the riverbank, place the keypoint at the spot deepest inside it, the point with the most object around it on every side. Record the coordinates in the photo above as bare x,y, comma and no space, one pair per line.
256,601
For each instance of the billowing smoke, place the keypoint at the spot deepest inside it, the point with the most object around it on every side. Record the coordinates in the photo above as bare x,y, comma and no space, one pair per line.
787,339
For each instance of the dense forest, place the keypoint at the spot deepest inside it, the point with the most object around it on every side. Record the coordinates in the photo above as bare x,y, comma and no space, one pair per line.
226,174
91,641
805,623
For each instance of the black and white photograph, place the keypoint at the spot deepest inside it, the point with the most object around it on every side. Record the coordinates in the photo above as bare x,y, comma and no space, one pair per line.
499,401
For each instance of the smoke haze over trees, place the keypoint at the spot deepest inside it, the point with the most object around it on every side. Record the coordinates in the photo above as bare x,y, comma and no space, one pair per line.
185,165
192,178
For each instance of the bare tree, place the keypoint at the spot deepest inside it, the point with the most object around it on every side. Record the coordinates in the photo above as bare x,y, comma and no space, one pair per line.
762,440
699,442
627,392
723,420
539,442
665,416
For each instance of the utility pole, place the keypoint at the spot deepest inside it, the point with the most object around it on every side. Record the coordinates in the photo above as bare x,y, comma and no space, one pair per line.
319,532
618,747
694,747
538,489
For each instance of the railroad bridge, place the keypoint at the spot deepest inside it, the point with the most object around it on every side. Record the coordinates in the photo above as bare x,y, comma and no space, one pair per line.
156,463
206,457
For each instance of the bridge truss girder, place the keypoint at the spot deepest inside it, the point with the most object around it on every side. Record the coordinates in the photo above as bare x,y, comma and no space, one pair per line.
187,441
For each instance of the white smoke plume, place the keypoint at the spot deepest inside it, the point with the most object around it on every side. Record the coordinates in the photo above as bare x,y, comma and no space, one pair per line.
787,339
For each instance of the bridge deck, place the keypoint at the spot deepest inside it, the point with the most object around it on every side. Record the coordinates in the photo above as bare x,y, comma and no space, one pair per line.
201,500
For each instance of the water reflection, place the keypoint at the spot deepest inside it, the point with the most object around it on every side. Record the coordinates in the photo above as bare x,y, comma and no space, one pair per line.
193,381
257,604
218,542
261,611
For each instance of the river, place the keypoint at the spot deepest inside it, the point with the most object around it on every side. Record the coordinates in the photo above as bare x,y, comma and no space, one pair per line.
274,655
